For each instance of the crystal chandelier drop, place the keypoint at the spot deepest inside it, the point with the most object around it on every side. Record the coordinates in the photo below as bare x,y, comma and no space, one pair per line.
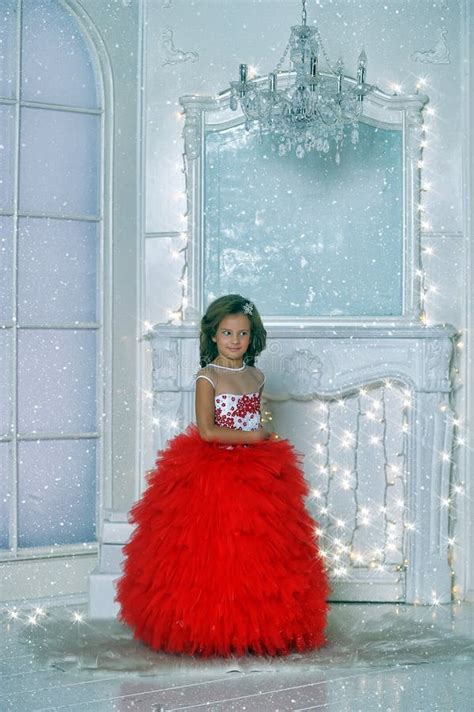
312,111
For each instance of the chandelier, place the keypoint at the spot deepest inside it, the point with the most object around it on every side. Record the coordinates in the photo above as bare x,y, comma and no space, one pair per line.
315,109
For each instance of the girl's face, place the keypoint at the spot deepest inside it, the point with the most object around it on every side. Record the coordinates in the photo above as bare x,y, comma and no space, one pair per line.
233,336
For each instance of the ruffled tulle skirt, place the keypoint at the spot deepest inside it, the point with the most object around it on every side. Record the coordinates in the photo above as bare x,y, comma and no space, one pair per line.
223,558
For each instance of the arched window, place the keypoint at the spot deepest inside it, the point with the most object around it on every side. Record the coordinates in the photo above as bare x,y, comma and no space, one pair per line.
51,115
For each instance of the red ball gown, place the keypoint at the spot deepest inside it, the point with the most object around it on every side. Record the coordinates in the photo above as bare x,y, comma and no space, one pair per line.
223,559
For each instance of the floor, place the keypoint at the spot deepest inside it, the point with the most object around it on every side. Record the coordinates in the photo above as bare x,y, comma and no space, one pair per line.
387,657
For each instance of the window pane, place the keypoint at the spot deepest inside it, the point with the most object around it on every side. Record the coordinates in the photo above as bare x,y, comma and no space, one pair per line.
57,381
8,48
57,271
5,494
7,128
5,383
57,488
6,266
59,162
56,65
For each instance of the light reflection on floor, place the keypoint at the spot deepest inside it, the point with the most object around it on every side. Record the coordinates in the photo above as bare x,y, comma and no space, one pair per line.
380,657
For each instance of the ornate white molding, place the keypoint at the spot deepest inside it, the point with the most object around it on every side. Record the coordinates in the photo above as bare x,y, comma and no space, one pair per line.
172,54
439,54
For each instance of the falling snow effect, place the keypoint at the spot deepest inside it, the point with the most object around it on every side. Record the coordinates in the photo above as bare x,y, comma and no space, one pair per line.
52,448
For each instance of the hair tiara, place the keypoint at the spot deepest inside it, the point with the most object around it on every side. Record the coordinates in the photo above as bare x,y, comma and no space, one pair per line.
248,308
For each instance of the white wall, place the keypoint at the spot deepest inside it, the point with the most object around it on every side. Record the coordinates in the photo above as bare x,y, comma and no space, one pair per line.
195,46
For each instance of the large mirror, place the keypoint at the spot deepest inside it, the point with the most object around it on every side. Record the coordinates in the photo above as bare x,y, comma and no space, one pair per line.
306,238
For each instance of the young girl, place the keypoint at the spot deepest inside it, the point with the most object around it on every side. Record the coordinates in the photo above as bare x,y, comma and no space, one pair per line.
224,558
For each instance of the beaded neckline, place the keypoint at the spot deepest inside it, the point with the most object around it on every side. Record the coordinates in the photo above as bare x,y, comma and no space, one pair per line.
238,395
228,368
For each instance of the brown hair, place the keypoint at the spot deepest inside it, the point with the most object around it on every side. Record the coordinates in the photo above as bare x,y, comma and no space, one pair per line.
215,313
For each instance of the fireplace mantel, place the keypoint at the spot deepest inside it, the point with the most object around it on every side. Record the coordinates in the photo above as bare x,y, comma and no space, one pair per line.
304,361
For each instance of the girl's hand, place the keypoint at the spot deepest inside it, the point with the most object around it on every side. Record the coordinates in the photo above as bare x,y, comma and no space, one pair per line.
262,434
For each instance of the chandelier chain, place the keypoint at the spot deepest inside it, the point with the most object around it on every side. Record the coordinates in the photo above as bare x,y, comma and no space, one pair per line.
323,49
283,57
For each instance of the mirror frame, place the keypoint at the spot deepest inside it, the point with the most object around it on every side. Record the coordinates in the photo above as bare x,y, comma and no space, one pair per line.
394,111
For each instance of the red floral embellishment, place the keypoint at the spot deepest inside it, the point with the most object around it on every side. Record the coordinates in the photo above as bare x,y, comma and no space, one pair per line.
236,415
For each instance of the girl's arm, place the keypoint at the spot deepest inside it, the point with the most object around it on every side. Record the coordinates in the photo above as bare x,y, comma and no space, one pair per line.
208,430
